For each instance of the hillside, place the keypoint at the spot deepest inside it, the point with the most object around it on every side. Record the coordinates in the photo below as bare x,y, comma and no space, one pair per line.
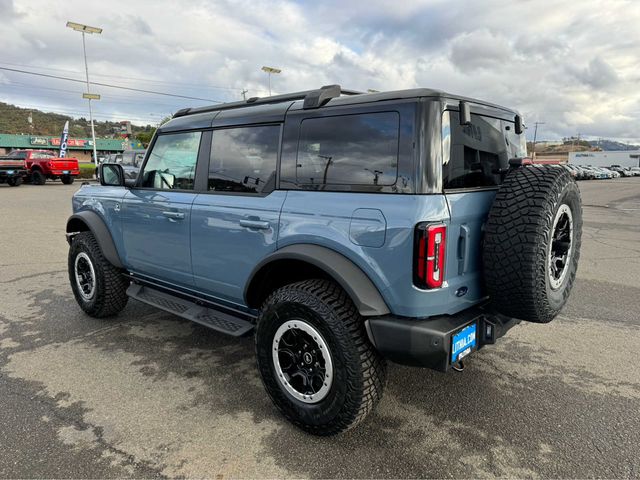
613,145
573,144
13,119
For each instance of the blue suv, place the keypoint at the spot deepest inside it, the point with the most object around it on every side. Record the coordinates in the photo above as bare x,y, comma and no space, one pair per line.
342,229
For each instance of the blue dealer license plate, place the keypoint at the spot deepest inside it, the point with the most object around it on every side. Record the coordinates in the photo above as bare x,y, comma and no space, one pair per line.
463,342
65,171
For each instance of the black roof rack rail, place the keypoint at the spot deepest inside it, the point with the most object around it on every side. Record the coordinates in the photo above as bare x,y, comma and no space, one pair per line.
312,99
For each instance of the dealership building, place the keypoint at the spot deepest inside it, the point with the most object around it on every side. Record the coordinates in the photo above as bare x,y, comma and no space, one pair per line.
624,158
80,148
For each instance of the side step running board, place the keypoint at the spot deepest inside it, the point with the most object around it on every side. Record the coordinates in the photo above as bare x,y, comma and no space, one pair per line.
220,321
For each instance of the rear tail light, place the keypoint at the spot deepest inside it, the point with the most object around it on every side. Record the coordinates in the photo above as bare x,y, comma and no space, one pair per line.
429,253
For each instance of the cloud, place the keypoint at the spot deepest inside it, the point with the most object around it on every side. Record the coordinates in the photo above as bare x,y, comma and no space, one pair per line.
572,65
7,9
480,49
598,74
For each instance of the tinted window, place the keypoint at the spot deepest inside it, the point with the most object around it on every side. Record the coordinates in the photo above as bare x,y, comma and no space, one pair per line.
349,150
475,154
244,159
172,162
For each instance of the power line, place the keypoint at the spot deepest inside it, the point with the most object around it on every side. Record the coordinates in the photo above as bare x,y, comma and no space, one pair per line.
110,85
105,98
137,79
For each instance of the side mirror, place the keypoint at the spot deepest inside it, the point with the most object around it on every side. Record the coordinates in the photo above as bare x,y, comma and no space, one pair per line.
111,174
519,127
465,114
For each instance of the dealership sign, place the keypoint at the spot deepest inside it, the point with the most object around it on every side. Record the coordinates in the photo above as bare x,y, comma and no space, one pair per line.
64,140
71,142
39,141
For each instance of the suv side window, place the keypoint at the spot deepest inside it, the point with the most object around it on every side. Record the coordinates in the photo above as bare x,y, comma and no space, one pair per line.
359,149
243,159
172,162
474,154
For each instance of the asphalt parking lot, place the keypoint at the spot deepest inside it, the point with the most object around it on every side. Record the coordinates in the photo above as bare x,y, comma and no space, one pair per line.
147,394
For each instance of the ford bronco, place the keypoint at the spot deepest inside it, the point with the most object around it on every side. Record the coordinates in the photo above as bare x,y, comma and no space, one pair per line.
342,229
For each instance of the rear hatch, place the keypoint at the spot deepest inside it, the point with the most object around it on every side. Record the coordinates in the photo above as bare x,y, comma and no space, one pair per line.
476,157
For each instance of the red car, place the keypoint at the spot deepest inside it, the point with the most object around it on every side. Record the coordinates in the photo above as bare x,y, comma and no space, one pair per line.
43,164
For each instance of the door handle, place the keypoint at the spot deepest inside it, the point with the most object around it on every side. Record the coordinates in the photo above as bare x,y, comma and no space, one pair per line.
463,249
174,215
259,224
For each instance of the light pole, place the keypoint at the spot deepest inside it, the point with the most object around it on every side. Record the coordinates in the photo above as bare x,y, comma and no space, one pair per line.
78,27
269,71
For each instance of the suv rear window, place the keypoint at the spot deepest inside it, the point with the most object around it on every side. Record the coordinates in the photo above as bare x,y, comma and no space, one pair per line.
474,154
360,149
244,159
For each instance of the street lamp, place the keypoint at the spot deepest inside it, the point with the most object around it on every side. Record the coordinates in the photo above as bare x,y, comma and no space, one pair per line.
269,71
78,27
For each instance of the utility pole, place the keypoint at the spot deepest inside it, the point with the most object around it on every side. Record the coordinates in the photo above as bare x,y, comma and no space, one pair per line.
244,94
78,27
573,149
535,136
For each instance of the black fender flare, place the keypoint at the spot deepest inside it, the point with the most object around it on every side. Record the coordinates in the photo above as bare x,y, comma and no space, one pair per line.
348,275
95,224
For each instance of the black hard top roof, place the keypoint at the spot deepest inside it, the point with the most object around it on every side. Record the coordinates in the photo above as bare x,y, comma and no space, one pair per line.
276,106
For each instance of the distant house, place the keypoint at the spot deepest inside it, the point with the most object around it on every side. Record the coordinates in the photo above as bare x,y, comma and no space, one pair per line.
80,148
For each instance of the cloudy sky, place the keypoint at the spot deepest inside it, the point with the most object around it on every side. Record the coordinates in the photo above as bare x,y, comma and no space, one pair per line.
574,65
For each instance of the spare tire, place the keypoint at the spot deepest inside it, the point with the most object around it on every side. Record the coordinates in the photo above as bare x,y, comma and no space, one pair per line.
532,243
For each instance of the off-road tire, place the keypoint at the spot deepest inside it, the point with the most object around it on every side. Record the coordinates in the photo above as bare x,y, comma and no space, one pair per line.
67,179
15,181
518,239
110,295
359,371
38,178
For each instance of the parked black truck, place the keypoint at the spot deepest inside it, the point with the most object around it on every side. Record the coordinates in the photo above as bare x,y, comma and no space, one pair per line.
12,171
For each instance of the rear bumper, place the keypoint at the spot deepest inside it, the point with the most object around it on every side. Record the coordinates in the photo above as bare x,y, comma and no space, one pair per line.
427,342
60,173
11,173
